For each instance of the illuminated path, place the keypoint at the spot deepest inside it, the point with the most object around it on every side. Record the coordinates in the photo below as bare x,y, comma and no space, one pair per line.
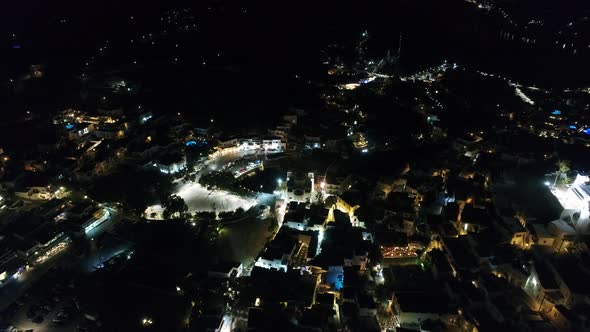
198,198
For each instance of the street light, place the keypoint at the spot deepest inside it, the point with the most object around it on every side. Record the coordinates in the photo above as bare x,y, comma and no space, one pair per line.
280,181
547,183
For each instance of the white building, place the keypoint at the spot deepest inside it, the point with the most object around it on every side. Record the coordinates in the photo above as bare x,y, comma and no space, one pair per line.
273,144
170,165
96,219
576,204
278,254
300,187
275,259
79,131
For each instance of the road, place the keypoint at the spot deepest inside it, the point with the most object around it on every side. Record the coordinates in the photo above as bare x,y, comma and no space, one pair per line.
13,290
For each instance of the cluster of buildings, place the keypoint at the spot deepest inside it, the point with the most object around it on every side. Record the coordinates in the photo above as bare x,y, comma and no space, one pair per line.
438,251
77,125
41,215
554,117
32,238
425,246
315,263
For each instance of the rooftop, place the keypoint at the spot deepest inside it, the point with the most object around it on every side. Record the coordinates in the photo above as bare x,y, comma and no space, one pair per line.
475,215
424,303
546,276
275,287
462,252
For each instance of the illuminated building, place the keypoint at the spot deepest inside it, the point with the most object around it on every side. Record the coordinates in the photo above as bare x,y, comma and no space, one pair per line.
11,266
277,256
270,144
575,201
97,218
303,219
395,245
145,117
300,186
77,131
289,249
273,144
170,163
336,183
412,309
